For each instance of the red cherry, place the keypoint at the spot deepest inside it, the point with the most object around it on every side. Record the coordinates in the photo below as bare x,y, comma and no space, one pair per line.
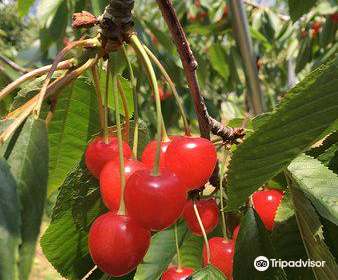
98,154
192,17
156,202
149,153
266,204
221,255
209,214
225,11
160,91
334,17
117,243
174,274
192,159
235,234
316,26
303,33
110,180
259,63
203,16
198,5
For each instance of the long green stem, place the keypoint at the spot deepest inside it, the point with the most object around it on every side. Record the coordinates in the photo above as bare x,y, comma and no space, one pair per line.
122,208
224,230
179,261
137,45
105,130
172,87
203,231
125,106
98,91
135,95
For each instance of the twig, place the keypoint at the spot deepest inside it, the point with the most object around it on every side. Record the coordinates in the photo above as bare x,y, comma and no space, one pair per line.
33,74
259,7
12,64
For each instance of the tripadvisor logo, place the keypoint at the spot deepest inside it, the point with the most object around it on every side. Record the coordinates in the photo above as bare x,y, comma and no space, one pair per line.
262,263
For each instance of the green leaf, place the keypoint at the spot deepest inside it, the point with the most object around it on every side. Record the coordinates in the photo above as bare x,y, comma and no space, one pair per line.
29,165
301,118
207,273
75,120
253,241
64,245
99,6
191,251
47,9
312,235
287,240
24,6
10,223
218,60
127,89
299,8
160,254
318,183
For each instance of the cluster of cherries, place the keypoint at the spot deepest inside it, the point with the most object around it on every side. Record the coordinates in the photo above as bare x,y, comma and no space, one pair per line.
119,240
316,26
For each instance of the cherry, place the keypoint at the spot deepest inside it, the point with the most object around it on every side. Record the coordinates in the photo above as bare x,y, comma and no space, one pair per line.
221,255
198,4
334,17
174,274
110,180
117,243
209,214
156,202
192,159
160,91
316,26
192,17
149,153
266,203
303,33
235,233
98,154
203,16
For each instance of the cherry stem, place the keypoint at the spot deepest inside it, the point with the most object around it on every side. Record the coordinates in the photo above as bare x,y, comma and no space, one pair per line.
179,261
88,43
106,111
135,97
165,137
172,87
137,45
57,87
33,74
122,209
203,231
89,273
98,91
125,106
223,167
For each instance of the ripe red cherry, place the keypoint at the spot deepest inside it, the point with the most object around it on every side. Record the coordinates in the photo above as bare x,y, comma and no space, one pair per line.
110,180
221,255
174,274
192,159
149,153
209,214
334,17
198,4
156,202
266,204
117,243
316,26
98,154
235,234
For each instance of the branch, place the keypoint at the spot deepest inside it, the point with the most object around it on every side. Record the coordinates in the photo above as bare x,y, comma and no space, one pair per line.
12,64
259,7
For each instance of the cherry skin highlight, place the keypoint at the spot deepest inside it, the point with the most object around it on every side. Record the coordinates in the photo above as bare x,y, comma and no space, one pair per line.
117,243
192,159
149,153
110,180
174,274
156,202
209,214
221,255
266,203
98,154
